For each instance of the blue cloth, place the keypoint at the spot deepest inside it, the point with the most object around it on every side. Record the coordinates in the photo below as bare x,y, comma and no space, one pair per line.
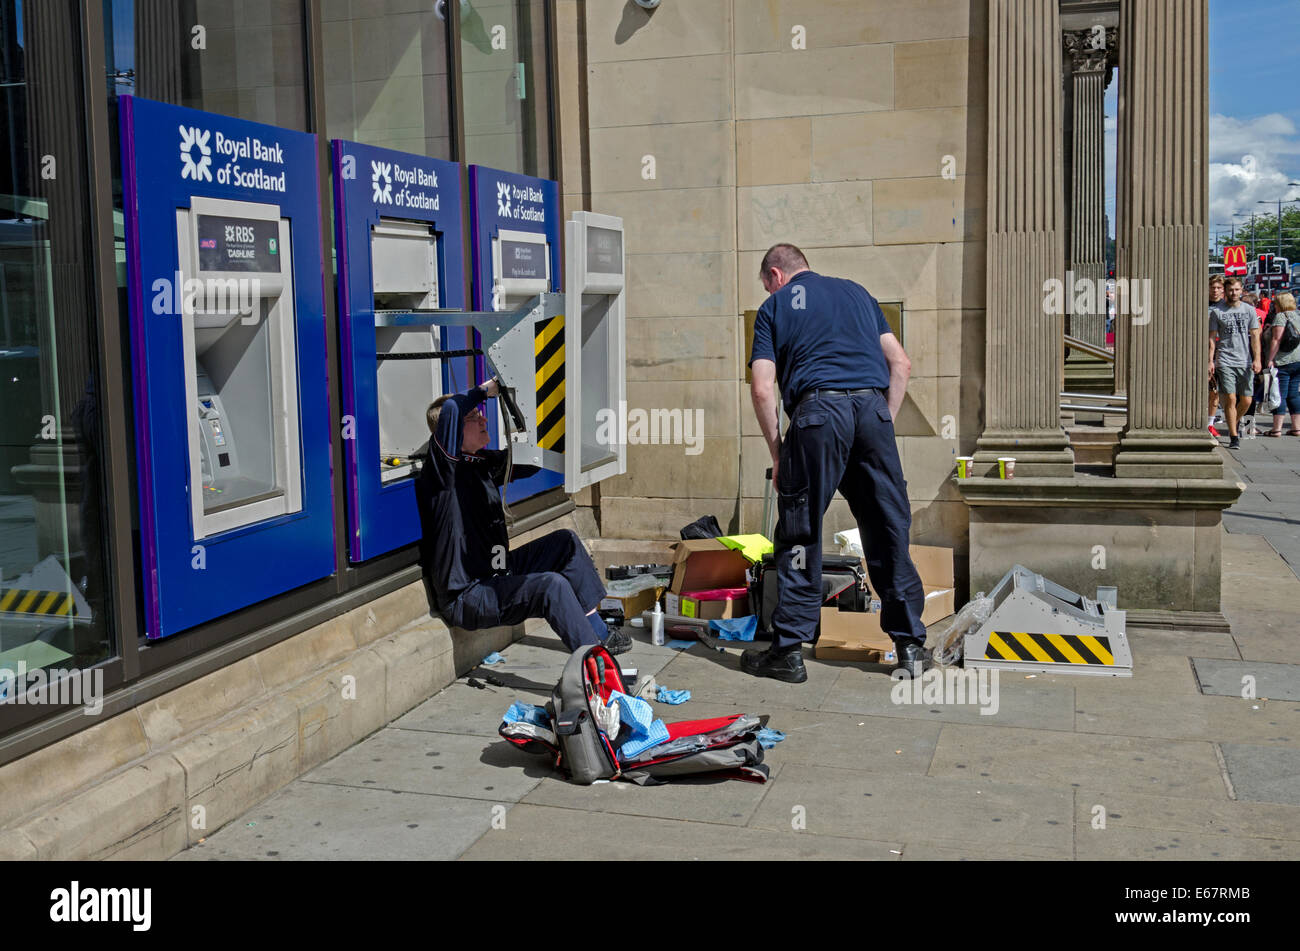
527,713
639,717
680,645
1288,383
822,333
769,738
843,443
493,658
735,629
673,697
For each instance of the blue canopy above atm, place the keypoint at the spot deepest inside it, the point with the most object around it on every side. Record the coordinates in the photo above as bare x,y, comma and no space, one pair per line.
505,201
205,193
404,199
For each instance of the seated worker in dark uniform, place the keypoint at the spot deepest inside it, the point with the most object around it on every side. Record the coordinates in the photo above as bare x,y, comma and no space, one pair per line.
472,577
842,374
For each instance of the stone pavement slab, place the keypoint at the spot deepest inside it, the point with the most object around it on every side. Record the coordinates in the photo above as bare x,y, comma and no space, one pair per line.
539,832
1263,773
1045,702
444,764
1125,845
1058,760
962,813
1146,644
1195,817
1227,678
719,801
716,677
881,744
312,821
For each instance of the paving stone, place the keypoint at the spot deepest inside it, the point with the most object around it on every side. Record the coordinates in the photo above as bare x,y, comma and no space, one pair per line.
313,821
441,764
1125,845
1225,678
1263,773
540,832
1045,701
1148,643
715,677
1060,760
963,813
703,799
925,852
1194,817
881,744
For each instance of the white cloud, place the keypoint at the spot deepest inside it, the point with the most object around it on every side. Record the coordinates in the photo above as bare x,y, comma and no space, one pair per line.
1251,160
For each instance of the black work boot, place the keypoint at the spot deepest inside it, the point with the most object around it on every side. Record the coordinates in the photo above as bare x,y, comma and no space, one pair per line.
617,641
781,664
913,658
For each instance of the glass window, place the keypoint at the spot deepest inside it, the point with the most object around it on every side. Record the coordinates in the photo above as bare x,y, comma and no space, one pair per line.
52,571
507,97
386,75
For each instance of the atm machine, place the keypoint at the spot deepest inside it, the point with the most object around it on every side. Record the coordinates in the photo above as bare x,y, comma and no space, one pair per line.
398,230
515,248
224,279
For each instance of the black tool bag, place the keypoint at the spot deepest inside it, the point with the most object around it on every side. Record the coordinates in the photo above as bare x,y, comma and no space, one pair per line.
844,584
706,526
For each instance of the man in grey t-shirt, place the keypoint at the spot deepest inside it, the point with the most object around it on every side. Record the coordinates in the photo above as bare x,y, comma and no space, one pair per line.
1234,353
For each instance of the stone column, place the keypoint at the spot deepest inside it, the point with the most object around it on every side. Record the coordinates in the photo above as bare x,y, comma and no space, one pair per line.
1163,197
1023,355
1090,71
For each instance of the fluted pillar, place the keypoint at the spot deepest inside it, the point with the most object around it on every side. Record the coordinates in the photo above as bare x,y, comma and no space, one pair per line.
1162,205
1023,356
1090,57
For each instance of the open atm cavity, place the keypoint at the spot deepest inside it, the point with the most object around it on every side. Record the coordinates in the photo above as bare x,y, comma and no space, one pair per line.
240,364
404,276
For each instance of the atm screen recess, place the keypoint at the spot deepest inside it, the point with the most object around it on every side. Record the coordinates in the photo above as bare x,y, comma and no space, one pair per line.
240,360
404,270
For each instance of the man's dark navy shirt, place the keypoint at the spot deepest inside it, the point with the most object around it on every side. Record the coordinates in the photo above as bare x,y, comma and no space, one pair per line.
822,333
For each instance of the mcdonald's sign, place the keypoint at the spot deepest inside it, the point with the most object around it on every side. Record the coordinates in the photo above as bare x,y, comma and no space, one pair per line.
1234,261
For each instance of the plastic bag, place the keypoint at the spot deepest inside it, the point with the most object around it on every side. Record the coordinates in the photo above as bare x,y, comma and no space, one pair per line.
1273,399
850,542
948,646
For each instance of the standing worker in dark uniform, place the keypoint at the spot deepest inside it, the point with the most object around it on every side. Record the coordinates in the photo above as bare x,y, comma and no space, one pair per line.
472,577
842,374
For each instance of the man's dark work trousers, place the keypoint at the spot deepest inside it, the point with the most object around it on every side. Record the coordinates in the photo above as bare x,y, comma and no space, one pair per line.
552,577
843,442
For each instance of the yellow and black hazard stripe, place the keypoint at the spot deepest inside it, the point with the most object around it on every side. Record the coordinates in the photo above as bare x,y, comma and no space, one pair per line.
548,345
28,601
1050,648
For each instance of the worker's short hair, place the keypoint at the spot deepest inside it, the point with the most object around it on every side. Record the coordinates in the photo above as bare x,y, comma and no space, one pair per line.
434,411
1232,280
1285,302
784,256
1216,279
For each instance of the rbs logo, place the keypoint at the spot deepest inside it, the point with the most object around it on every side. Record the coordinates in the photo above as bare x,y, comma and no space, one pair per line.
503,199
201,169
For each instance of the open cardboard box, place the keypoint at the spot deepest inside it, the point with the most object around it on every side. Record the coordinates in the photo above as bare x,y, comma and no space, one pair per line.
703,564
846,635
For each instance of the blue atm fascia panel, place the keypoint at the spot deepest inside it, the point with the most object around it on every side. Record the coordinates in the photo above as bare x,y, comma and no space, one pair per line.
511,202
371,183
171,155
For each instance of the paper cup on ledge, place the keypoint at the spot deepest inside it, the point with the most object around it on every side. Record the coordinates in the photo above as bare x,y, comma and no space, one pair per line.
964,466
1006,467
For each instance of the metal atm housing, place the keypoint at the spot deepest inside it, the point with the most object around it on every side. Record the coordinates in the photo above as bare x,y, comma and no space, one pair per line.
240,363
404,278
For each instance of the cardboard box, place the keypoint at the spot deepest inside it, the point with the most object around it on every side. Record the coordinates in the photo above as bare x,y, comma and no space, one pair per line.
707,609
846,635
632,604
703,564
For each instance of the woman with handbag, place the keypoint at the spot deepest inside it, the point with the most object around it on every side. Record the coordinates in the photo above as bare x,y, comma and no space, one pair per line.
1284,356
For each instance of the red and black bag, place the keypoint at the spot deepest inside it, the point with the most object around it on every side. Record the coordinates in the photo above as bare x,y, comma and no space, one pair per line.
724,746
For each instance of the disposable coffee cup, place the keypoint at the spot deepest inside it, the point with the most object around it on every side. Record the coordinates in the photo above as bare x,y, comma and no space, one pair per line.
1006,467
964,466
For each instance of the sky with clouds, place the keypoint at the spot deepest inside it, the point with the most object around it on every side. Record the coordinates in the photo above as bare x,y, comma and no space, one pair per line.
1254,110
1254,107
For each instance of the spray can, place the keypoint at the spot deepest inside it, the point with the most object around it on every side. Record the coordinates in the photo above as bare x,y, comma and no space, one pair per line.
657,626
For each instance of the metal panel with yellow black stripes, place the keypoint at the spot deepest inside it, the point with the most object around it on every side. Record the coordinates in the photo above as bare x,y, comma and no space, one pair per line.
548,345
1090,650
28,601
